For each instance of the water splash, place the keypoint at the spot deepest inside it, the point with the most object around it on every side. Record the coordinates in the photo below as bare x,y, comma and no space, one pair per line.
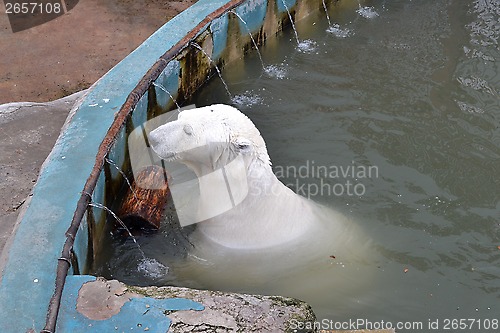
367,12
169,94
152,268
251,37
307,46
247,99
276,71
215,65
337,31
113,163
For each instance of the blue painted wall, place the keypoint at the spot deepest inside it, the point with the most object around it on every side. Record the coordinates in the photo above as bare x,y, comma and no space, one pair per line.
253,12
137,315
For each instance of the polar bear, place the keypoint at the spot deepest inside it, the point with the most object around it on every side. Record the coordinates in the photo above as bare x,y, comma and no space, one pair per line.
208,139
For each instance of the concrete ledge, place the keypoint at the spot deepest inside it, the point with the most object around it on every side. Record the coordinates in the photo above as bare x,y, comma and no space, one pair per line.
97,305
231,312
31,148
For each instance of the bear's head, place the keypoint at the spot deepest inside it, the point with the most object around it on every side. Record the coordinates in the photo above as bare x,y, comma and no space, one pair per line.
208,138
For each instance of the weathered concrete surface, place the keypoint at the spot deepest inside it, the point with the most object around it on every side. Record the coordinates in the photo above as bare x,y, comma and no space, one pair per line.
101,299
230,312
90,304
27,133
96,305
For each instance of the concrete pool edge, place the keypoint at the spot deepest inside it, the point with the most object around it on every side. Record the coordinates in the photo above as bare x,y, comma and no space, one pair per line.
27,283
109,305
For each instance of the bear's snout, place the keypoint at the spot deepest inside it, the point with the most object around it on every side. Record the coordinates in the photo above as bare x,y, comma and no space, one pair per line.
159,141
154,138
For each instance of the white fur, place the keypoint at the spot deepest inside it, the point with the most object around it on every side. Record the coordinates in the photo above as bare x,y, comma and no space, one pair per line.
208,138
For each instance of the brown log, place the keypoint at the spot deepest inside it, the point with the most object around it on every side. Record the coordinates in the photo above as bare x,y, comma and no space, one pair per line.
144,203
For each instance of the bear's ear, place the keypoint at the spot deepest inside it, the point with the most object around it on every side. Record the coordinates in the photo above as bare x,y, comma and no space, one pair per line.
241,144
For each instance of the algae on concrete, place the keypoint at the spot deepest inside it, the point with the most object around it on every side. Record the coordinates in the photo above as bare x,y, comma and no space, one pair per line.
231,312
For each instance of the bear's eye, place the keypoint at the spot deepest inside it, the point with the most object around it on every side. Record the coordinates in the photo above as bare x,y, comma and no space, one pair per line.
188,130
